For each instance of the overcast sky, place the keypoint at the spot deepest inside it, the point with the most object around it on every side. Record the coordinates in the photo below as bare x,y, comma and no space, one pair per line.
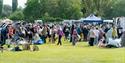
20,2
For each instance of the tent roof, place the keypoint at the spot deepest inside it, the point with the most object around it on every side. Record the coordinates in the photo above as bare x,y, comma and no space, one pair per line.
92,18
108,21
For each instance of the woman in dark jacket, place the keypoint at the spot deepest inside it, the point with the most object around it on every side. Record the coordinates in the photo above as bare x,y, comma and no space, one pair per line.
71,32
85,32
3,36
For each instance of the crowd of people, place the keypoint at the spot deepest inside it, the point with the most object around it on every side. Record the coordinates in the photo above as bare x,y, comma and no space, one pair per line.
35,33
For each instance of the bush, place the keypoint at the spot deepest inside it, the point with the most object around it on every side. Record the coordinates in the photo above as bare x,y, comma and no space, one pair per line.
51,19
17,15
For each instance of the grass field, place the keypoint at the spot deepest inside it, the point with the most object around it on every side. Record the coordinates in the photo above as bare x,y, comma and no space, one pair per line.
51,53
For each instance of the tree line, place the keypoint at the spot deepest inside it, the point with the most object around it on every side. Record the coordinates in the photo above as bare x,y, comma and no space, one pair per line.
57,10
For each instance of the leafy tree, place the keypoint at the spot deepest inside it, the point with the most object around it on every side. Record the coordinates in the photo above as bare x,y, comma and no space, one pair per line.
33,10
17,15
97,7
119,8
14,5
50,7
7,10
70,9
47,18
65,9
1,6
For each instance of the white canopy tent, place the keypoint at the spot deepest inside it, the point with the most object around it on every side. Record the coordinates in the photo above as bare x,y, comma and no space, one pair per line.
108,21
92,19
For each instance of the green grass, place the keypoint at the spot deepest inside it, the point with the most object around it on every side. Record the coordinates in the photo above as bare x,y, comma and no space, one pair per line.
51,53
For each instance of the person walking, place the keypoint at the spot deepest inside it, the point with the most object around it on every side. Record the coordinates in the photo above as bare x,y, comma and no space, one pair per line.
10,34
114,32
52,33
3,36
71,32
74,36
44,33
60,34
85,32
91,36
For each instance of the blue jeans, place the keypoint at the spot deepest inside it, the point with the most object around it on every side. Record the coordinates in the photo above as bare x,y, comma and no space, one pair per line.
96,40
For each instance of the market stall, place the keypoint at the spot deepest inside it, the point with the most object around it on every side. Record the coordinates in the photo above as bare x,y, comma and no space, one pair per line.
93,19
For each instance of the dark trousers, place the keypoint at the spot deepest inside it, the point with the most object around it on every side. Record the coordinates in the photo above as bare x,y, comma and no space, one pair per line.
43,37
3,40
74,40
59,40
85,37
70,38
66,35
91,42
119,35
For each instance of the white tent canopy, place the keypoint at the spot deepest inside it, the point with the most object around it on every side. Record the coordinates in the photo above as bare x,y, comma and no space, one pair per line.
108,21
92,18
